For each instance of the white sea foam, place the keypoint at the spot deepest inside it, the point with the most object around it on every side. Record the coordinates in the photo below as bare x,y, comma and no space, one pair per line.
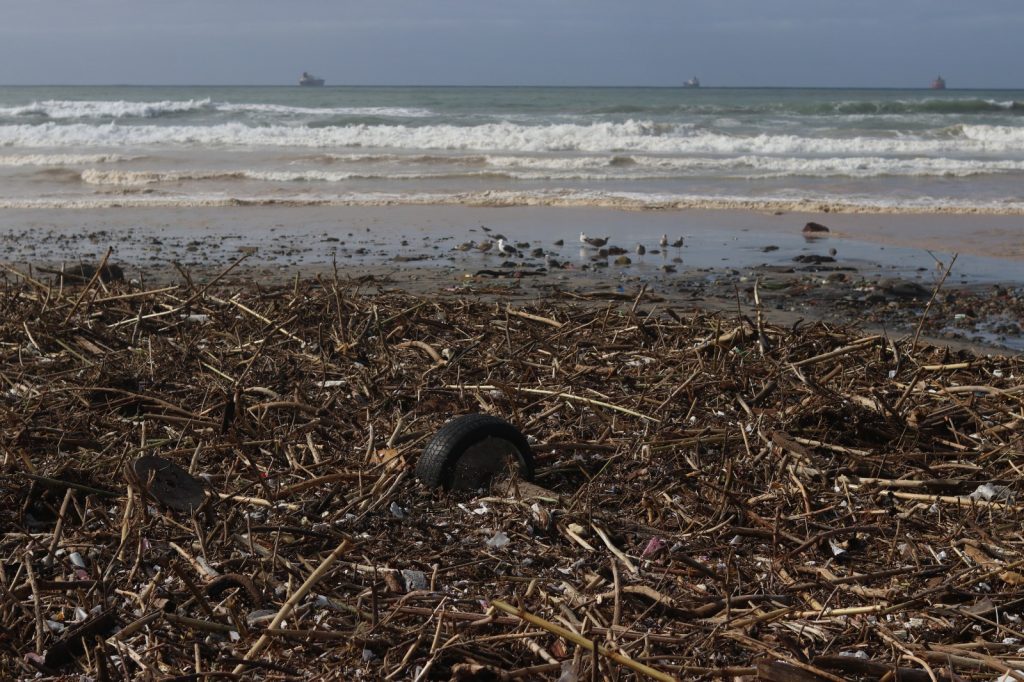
61,159
387,112
551,197
630,136
589,168
996,138
94,176
87,109
750,166
117,109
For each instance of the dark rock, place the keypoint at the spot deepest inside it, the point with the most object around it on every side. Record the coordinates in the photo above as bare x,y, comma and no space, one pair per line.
815,228
905,290
813,258
85,272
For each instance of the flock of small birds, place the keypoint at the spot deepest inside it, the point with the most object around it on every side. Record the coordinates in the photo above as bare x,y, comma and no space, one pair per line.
498,243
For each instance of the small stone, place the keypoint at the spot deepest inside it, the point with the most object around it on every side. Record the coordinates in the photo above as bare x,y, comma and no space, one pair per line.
414,580
260,616
815,228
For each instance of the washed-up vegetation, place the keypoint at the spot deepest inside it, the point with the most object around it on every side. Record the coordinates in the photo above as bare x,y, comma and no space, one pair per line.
714,496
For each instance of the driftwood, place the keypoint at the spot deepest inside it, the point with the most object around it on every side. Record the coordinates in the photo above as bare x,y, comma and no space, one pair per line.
727,499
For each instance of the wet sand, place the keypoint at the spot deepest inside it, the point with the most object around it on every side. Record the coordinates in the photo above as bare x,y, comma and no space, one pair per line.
991,247
883,272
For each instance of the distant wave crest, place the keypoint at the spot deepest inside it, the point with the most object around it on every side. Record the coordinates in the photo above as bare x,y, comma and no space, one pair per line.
70,110
103,109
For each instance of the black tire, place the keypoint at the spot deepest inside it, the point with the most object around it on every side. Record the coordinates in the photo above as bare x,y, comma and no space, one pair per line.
440,462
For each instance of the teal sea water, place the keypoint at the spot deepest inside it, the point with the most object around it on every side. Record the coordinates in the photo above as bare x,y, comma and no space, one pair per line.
955,150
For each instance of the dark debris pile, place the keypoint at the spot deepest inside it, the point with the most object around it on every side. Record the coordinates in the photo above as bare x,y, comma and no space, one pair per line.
722,498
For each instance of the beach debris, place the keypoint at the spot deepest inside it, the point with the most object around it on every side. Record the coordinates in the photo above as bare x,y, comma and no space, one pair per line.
168,484
84,272
498,540
987,492
903,289
813,228
559,242
809,492
623,260
414,580
813,258
471,450
73,641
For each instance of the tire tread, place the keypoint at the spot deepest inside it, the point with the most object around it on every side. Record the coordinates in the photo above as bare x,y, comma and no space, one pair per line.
437,462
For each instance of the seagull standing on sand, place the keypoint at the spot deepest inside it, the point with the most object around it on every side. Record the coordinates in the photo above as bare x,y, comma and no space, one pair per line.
678,243
485,246
596,242
640,249
505,248
663,242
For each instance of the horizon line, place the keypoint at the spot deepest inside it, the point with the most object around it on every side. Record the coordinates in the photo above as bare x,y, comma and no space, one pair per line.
679,86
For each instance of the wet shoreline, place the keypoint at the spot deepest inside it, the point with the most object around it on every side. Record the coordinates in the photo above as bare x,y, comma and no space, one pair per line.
842,277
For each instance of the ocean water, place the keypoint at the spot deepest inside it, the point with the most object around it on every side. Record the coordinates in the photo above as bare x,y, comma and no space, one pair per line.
872,150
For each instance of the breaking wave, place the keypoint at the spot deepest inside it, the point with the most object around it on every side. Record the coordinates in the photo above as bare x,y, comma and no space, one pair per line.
74,109
629,136
69,110
589,168
849,107
61,159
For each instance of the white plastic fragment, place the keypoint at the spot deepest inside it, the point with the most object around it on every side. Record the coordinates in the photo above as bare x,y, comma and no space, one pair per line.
499,540
989,492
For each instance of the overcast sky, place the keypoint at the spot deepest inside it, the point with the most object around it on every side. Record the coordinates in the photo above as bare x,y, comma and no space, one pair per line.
850,43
